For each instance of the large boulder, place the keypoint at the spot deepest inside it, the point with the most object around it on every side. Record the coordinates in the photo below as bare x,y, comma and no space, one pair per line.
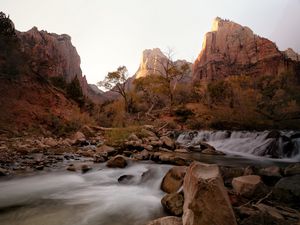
206,199
249,186
168,220
106,151
287,190
173,203
118,161
173,179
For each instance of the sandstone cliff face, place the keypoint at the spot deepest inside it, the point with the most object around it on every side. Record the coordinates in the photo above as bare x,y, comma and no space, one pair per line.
152,62
53,55
232,49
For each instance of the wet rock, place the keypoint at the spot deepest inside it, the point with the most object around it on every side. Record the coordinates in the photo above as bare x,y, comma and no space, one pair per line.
249,170
228,173
273,134
292,170
249,186
181,150
156,143
211,151
206,199
270,175
170,158
173,179
173,203
287,190
143,155
168,142
136,145
118,161
106,151
99,159
264,219
85,168
39,167
125,179
168,220
3,172
71,167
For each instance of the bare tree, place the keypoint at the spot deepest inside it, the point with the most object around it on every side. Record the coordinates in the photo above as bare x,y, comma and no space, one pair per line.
116,81
171,72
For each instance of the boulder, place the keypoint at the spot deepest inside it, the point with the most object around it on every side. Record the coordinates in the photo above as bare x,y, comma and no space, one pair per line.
118,161
206,199
148,133
228,173
85,168
287,190
143,155
173,203
170,158
3,172
249,186
181,150
168,142
173,179
125,179
133,137
211,151
168,220
106,151
50,142
293,169
79,136
270,175
71,167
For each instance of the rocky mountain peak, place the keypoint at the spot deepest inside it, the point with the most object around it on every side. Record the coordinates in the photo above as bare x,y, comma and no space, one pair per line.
149,61
232,49
291,54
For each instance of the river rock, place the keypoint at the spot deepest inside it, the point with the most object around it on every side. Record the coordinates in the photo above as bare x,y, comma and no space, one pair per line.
143,155
228,173
270,175
173,179
287,190
85,168
118,161
50,142
148,133
211,151
106,151
292,169
71,167
133,137
206,199
168,220
78,136
3,172
170,158
168,142
249,186
173,203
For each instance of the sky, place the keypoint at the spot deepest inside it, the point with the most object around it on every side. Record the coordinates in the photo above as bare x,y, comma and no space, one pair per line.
110,33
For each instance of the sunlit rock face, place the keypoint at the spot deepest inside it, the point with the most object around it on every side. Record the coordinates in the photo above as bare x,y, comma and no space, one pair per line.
53,55
152,62
291,54
232,49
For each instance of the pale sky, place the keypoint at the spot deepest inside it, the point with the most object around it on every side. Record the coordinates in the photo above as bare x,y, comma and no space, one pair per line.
110,33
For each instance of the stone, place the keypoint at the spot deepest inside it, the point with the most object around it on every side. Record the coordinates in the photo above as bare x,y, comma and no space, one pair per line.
211,151
3,172
148,133
167,142
231,49
71,167
85,168
293,169
228,173
270,175
181,150
118,161
99,159
173,179
168,220
249,186
170,158
106,151
125,179
143,155
78,136
206,200
287,190
173,203
133,137
50,142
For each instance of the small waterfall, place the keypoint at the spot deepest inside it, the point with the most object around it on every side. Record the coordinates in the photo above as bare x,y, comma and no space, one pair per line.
283,144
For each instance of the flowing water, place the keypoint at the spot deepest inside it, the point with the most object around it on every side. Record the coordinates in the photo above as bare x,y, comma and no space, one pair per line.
95,198
253,145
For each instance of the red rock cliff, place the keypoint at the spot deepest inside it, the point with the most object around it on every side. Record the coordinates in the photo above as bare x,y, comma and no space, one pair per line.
232,49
